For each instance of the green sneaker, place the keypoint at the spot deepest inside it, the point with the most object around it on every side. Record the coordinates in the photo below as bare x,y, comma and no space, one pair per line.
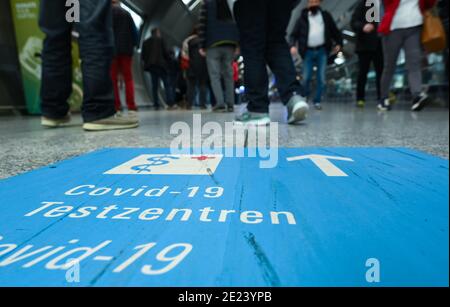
253,119
361,104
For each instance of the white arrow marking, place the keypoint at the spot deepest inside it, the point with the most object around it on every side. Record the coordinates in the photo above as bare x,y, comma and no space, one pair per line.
324,164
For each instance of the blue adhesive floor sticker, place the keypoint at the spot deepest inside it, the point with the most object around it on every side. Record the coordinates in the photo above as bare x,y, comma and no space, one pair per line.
144,217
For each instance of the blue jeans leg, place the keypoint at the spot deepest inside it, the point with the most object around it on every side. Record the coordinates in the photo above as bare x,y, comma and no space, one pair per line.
322,60
308,68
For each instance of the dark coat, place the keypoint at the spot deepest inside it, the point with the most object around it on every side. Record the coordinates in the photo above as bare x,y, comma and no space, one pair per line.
301,32
214,31
197,63
155,54
125,32
365,42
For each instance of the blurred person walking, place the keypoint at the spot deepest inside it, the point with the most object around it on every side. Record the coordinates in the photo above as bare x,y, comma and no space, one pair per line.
401,28
96,52
197,72
219,41
156,59
126,39
369,49
313,37
262,26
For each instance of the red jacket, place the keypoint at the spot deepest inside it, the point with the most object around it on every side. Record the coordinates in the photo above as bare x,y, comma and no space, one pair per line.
390,8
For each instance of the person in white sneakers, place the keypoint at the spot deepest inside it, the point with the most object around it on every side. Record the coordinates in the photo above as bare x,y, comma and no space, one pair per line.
262,25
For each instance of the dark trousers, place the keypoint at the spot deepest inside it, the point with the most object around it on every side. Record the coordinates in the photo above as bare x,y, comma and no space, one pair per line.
262,25
96,51
160,74
365,60
194,84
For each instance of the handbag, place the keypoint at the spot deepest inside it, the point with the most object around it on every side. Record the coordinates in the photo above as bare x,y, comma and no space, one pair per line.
433,33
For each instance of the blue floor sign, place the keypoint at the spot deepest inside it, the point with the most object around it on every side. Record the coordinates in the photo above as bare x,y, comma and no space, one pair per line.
143,217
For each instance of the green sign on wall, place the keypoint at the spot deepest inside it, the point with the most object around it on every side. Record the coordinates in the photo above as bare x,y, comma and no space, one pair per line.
29,45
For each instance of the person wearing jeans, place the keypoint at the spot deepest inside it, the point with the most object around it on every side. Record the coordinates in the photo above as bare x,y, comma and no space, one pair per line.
401,28
96,51
315,58
156,60
197,73
262,25
219,42
314,34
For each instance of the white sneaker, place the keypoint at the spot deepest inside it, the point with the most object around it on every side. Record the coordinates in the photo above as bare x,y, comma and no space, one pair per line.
297,109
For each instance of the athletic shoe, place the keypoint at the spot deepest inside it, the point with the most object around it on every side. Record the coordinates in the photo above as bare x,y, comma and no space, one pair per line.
384,105
172,107
297,109
360,103
133,113
253,119
230,109
420,102
55,123
318,106
115,122
220,109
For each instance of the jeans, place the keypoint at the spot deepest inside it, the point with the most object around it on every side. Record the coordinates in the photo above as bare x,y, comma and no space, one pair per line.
122,66
160,74
220,68
315,58
96,52
409,40
365,60
195,83
262,25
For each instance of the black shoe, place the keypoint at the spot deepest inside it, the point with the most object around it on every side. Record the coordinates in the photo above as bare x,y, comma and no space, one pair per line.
384,105
420,102
230,109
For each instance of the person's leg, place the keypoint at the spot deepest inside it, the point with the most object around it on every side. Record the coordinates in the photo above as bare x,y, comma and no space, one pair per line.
212,96
378,63
96,51
227,69
126,63
392,45
252,23
191,84
308,69
56,85
155,88
413,58
277,50
364,67
115,71
321,61
170,99
203,91
213,59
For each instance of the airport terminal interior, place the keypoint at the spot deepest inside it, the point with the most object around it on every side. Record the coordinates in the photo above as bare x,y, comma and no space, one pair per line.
338,127
26,146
